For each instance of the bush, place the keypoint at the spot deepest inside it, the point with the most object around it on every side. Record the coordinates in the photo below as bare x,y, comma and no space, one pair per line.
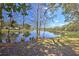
27,34
0,36
22,40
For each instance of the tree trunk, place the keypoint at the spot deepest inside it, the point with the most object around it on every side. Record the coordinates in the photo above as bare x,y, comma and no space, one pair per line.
44,28
0,23
23,24
44,31
0,30
37,29
40,22
8,39
23,21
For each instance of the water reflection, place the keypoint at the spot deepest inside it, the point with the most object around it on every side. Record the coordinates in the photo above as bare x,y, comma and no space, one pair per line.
33,35
17,37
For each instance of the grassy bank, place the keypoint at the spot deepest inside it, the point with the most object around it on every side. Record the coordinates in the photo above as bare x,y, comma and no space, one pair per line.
14,30
71,34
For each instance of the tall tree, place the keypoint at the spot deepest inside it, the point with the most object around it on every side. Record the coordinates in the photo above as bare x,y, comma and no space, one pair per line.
24,9
37,22
14,8
1,17
70,11
10,7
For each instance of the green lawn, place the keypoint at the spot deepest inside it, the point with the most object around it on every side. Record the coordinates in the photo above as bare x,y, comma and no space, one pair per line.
71,34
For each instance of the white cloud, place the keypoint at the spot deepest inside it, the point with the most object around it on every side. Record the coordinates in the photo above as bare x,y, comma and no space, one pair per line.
56,21
45,7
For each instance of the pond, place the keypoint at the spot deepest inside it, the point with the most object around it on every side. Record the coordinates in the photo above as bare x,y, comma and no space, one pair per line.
33,34
19,37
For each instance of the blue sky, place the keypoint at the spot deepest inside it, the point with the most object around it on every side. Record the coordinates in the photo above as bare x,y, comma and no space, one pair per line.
31,18
59,19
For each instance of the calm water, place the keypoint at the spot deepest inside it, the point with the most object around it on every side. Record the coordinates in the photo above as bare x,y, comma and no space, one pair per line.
32,35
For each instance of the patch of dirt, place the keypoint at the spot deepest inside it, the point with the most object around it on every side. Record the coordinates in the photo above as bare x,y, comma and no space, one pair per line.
40,48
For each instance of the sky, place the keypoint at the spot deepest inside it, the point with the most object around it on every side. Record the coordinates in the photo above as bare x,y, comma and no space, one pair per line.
31,18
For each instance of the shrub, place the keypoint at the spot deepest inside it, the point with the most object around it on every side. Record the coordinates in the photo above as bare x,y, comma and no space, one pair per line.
27,34
22,40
